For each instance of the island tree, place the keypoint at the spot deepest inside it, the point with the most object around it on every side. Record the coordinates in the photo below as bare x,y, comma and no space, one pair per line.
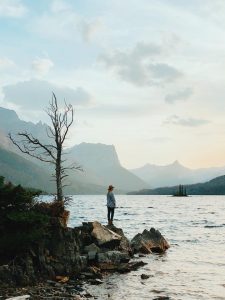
53,151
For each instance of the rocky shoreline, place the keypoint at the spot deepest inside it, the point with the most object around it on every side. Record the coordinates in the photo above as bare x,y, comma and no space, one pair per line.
68,258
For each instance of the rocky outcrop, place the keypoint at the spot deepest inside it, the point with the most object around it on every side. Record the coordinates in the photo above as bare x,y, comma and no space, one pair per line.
85,251
149,241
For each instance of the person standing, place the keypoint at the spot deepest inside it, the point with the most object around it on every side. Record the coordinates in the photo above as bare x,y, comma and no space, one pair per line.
111,204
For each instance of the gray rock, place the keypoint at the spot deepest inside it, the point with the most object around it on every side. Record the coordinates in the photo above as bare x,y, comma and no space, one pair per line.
92,255
113,257
149,241
91,247
95,281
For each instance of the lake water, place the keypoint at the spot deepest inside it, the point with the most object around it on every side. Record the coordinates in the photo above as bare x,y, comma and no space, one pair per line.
194,266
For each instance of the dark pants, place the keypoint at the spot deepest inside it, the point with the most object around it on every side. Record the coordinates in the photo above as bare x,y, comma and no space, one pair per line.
110,213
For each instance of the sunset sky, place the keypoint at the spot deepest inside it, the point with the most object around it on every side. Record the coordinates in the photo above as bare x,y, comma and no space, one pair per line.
147,76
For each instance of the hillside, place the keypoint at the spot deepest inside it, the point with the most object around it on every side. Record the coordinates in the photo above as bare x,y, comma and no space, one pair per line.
21,171
215,186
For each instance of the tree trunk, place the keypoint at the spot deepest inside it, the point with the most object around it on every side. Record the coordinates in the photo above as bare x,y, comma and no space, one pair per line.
59,175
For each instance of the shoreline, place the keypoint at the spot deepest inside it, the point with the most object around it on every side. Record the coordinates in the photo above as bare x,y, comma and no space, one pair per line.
73,257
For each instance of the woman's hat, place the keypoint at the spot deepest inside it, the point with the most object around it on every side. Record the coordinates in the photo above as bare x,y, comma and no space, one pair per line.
111,187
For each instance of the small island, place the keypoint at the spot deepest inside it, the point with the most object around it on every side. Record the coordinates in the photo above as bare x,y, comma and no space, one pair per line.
181,191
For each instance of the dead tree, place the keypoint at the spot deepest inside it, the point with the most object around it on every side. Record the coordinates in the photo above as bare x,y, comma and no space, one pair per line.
51,153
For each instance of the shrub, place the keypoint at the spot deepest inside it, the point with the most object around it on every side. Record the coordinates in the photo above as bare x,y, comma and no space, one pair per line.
21,223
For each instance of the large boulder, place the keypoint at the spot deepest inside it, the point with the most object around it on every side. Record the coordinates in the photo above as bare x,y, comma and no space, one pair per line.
124,245
149,241
104,236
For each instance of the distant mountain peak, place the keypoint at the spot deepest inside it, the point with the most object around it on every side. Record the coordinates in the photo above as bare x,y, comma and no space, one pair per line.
8,115
97,145
176,163
94,154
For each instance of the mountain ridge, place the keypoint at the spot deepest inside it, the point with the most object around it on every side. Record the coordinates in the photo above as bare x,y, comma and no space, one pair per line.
175,173
100,162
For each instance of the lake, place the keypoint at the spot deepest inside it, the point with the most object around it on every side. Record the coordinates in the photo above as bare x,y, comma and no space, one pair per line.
194,266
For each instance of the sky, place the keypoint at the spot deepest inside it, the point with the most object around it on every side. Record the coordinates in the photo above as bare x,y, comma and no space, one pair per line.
147,76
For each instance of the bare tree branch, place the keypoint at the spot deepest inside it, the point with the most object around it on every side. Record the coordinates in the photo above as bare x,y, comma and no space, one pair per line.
51,153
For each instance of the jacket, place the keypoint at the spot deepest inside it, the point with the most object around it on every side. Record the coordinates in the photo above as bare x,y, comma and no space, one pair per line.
111,201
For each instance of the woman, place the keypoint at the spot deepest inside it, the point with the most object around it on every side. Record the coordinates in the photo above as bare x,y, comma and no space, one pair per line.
111,204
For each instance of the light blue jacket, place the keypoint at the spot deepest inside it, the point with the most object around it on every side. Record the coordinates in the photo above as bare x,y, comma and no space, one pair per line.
111,201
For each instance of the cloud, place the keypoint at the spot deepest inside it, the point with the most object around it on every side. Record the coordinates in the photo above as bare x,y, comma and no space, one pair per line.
138,66
164,71
41,66
63,22
6,63
89,30
35,94
59,22
12,8
179,96
188,122
58,6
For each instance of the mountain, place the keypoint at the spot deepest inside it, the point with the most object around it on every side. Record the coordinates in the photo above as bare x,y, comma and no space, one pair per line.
100,162
175,174
215,186
10,122
21,171
5,141
102,166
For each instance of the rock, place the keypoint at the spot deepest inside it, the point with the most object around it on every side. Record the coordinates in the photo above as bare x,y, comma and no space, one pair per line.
24,297
136,265
104,236
88,295
124,245
87,275
144,276
62,279
141,255
92,255
162,298
91,247
122,267
92,272
95,281
5,274
149,241
69,251
77,297
50,282
113,257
